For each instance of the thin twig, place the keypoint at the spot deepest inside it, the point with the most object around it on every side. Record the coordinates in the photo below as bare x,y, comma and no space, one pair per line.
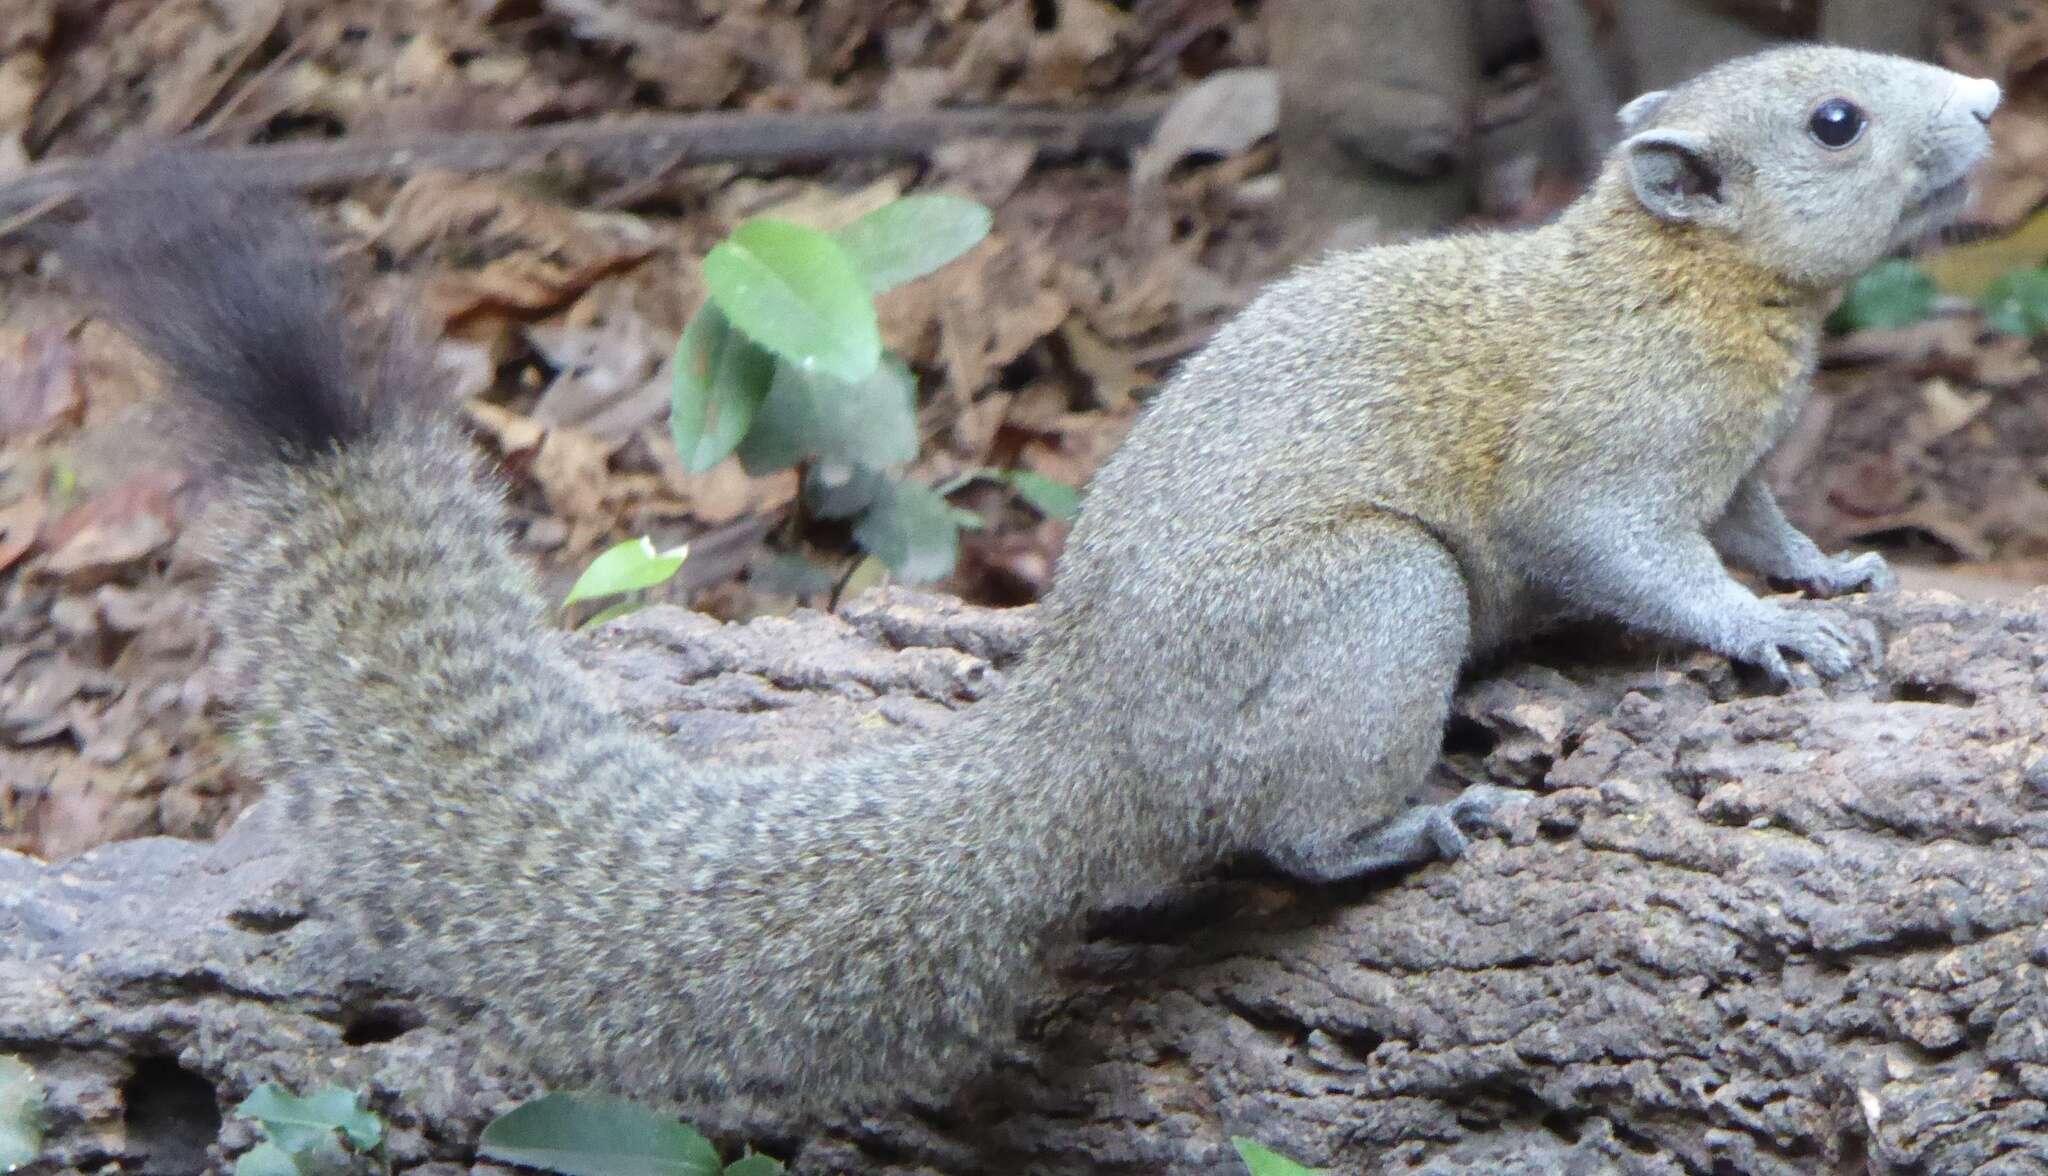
32,213
634,146
285,59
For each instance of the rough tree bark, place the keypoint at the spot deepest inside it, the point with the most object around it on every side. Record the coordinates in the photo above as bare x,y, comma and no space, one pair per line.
1731,931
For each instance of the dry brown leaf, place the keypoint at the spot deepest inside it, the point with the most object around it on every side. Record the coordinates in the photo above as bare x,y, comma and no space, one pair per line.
775,45
1225,114
22,77
1872,488
39,382
916,88
21,523
1111,372
608,378
1148,293
2006,41
573,470
2004,361
1944,336
1947,410
108,547
825,209
971,432
511,434
152,492
1996,580
998,49
989,170
724,493
464,370
1942,524
1038,408
1075,453
1064,61
76,813
192,81
504,252
993,304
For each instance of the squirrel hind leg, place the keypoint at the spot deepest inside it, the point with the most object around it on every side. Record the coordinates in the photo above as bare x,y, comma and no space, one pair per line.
1343,737
1423,834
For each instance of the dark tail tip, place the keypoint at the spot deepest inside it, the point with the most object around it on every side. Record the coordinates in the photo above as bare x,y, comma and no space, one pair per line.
226,286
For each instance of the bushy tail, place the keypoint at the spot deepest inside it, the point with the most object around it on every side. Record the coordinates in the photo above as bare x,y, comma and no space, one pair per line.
815,939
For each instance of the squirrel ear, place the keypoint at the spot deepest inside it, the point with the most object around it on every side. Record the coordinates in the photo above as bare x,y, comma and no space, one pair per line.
1674,174
1640,110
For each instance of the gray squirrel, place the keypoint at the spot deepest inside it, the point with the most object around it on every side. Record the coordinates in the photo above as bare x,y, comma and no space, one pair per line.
1392,462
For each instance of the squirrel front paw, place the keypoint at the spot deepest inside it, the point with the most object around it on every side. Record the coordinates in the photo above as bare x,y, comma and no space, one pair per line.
1822,639
1840,574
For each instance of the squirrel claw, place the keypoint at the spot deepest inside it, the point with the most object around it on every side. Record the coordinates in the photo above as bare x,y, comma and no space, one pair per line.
1474,806
1422,834
1852,573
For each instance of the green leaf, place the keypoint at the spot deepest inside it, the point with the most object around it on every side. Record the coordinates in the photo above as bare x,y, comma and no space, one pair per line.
1896,293
21,1114
597,1135
835,490
913,530
299,1124
1263,1161
909,238
720,378
809,414
1054,500
2017,303
267,1159
626,567
754,1164
794,291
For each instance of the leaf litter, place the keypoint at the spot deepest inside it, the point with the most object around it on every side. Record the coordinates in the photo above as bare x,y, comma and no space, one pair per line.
555,300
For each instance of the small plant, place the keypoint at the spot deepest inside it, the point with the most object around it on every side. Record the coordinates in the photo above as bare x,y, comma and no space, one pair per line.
1895,293
21,1114
1260,1160
597,1135
626,569
2016,303
784,367
327,1132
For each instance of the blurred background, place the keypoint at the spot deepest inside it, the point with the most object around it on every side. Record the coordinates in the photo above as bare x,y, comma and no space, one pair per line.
537,183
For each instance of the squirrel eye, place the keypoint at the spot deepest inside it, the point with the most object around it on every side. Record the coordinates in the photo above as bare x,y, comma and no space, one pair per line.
1836,123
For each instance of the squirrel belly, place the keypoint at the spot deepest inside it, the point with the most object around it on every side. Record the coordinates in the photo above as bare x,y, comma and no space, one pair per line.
1387,463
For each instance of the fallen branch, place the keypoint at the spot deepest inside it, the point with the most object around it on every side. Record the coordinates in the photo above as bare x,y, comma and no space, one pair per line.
636,146
1775,934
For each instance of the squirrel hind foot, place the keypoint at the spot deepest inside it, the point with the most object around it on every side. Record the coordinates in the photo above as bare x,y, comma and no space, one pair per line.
1425,833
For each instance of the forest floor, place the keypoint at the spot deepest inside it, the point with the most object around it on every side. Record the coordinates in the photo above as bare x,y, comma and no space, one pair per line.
556,299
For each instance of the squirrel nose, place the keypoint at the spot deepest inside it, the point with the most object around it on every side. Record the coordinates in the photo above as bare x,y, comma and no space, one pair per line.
1981,95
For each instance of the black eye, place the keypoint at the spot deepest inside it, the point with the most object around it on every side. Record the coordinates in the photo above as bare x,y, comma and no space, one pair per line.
1837,122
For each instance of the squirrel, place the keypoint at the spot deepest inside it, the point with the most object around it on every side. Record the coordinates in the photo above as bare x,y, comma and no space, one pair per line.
1392,463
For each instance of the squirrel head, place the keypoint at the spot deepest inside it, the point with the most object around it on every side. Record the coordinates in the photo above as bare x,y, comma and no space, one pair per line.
1817,161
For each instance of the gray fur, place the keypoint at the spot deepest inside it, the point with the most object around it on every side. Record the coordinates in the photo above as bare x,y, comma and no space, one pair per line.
1637,112
1394,461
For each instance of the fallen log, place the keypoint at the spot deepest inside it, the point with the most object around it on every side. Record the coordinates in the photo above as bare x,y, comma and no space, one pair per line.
1731,931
